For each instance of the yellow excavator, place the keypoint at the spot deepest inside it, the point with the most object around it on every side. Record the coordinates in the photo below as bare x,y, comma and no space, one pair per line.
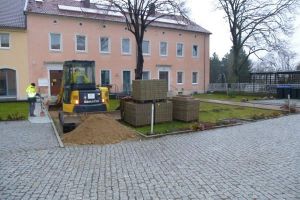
79,93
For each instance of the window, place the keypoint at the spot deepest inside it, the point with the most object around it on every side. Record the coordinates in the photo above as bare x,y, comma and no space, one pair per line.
104,45
126,47
4,40
126,82
146,47
146,75
81,43
55,42
195,51
105,77
163,49
180,77
179,50
194,77
8,86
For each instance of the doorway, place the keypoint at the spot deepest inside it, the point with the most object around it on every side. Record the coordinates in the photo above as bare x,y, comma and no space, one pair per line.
126,82
55,81
164,75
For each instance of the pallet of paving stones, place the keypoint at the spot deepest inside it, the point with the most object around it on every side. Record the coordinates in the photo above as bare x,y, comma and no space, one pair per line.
147,90
122,105
185,108
150,101
137,114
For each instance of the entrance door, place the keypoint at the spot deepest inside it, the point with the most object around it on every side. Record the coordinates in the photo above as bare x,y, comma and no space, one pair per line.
164,75
55,81
126,82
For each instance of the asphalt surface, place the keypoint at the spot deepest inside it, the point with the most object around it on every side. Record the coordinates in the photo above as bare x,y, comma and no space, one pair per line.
253,161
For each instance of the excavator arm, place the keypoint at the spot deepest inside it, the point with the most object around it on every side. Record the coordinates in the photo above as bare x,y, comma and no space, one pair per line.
60,94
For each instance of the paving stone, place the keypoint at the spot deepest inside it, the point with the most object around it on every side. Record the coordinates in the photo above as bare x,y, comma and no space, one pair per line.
253,161
24,136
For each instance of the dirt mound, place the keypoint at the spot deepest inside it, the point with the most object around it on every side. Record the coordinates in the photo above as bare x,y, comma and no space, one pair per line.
98,129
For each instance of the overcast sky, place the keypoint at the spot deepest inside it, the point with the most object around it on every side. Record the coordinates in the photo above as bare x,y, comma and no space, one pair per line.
205,14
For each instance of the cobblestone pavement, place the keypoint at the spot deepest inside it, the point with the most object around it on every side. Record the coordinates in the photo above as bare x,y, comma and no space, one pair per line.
253,161
23,136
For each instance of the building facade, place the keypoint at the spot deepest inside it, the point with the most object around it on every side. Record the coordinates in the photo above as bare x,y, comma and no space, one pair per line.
61,30
13,50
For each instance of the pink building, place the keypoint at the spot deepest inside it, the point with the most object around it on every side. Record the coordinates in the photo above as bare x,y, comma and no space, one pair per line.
60,30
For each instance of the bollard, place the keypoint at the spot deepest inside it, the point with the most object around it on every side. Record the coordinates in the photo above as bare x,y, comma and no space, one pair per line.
152,117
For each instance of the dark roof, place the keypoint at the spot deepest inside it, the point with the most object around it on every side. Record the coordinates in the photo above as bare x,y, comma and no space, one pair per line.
50,7
12,14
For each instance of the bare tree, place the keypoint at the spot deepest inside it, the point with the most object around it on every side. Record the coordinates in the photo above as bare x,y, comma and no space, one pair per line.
139,14
298,67
287,60
257,25
281,60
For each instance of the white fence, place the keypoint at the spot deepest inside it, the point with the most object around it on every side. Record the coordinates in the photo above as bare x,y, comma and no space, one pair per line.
247,87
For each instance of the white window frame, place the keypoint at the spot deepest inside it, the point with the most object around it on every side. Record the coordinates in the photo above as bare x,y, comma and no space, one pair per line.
149,74
9,41
197,56
181,77
149,48
126,53
180,56
197,78
166,49
109,45
86,44
103,69
61,42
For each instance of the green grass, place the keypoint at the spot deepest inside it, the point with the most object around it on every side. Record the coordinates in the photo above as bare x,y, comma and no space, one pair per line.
212,113
231,97
15,109
165,127
113,104
208,113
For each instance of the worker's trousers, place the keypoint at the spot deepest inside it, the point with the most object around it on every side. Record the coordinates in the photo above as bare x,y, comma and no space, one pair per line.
31,102
31,108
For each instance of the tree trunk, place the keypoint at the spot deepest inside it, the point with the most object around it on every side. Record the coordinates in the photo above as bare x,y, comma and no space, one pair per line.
235,64
140,62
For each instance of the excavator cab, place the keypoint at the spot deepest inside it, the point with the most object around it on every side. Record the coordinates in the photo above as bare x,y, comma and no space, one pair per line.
79,93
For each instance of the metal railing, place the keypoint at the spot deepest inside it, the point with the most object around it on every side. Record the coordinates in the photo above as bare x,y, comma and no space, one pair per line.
247,87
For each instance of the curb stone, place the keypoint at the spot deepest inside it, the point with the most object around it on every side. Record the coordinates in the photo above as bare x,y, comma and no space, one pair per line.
61,144
186,131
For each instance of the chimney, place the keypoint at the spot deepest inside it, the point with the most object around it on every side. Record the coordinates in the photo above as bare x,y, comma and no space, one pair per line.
86,3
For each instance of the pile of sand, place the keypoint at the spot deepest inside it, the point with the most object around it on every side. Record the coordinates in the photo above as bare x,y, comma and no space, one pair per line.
99,129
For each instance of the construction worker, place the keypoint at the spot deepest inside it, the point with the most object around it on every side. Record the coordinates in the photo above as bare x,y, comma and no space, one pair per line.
79,77
31,93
